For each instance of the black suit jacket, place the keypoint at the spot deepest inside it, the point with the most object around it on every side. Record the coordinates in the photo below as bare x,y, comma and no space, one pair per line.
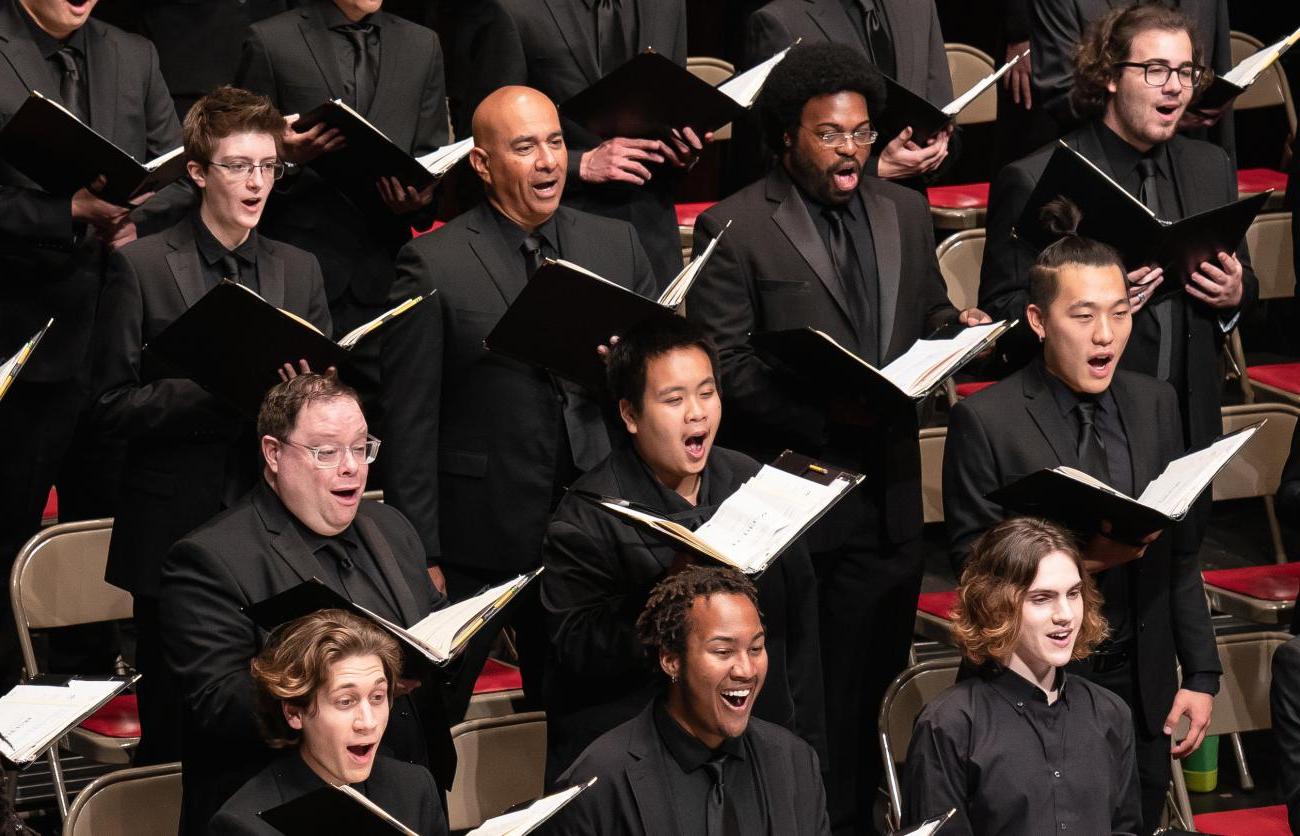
599,572
632,796
772,272
188,453
1015,428
49,264
404,791
1284,699
290,58
543,44
470,432
245,555
1204,179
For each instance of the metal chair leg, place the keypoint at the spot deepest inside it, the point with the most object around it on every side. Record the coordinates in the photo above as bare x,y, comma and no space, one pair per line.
1243,768
1182,806
1274,530
56,773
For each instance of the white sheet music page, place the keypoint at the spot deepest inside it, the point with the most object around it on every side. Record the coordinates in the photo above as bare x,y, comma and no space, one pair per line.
1174,491
925,364
1245,73
744,88
523,821
31,716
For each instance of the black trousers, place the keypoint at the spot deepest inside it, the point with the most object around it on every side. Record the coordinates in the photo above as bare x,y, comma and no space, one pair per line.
158,692
867,593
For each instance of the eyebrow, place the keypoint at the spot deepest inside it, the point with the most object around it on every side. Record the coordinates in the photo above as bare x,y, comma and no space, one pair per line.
761,634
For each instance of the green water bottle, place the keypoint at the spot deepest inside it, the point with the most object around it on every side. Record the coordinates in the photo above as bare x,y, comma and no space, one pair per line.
1201,768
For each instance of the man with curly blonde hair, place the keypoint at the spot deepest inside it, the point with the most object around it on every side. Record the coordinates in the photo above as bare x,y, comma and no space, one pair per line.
1021,747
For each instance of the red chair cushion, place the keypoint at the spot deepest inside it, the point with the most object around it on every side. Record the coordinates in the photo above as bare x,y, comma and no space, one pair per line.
1284,376
497,676
1279,582
688,212
963,196
937,604
416,233
51,511
118,718
965,390
1256,180
1254,821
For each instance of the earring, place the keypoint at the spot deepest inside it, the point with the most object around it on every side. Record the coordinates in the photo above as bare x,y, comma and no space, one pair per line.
674,679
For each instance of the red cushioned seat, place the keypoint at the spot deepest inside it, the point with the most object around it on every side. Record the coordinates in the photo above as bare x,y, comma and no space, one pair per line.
1284,376
51,512
937,604
498,676
962,196
688,212
1256,180
1255,821
965,390
118,718
416,233
1279,582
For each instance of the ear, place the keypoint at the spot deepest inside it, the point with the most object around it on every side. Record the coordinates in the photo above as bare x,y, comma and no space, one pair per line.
271,449
197,174
629,417
670,663
292,715
787,139
1035,316
478,160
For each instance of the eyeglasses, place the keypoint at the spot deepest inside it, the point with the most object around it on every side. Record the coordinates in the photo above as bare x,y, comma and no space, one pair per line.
1156,74
242,170
834,139
330,456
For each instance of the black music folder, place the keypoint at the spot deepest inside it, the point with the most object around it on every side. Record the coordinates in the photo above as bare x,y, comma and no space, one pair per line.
63,154
10,368
232,342
904,108
646,98
1114,216
1081,501
1224,88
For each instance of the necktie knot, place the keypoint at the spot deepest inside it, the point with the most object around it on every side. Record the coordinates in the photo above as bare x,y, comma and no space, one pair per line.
67,56
715,766
1147,167
1087,412
532,248
230,267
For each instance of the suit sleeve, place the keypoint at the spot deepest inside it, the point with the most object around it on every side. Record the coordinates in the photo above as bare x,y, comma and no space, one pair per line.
1249,281
35,217
1054,30
318,311
969,473
1284,699
1015,21
125,406
765,36
934,776
208,643
487,53
163,133
254,71
723,302
410,358
431,129
936,305
1004,272
803,647
938,82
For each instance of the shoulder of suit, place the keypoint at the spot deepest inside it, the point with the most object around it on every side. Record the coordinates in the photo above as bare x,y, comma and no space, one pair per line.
409,775
736,464
896,193
770,735
123,38
1199,150
389,20
216,532
454,233
595,225
280,249
739,204
607,755
383,515
1144,386
1008,387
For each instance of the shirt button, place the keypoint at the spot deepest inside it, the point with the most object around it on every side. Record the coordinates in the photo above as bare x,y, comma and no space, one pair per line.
1056,773
1064,826
1020,705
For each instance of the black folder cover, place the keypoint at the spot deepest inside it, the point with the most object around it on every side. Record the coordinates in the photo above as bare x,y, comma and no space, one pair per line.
368,151
903,108
326,810
804,353
646,98
62,154
1218,94
560,317
231,342
1080,506
1112,215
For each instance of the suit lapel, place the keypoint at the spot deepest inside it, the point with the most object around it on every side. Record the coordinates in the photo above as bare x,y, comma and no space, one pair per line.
318,44
829,16
1047,416
633,484
20,51
391,45
270,275
572,30
792,217
645,775
1144,444
183,259
883,219
487,247
101,64
378,545
285,540
1087,143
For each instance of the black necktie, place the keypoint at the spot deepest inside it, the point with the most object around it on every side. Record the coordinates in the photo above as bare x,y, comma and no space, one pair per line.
719,815
845,258
1149,192
533,256
71,87
230,267
879,44
1092,452
364,71
1162,310
609,36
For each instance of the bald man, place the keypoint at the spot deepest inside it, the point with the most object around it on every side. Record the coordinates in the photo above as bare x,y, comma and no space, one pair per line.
482,446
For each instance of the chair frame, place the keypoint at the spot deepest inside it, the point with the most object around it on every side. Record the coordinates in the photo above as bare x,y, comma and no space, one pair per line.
120,776
894,815
1270,507
482,724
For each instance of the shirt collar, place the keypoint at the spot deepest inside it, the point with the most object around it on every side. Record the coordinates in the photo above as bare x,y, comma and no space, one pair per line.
1019,691
213,250
46,43
852,210
1067,399
335,19
689,753
514,235
315,541
1124,158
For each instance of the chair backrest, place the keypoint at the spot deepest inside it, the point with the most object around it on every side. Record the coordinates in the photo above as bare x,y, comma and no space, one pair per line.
58,580
1242,702
500,762
960,257
1271,89
910,692
931,442
1272,255
145,799
1257,469
967,65
714,71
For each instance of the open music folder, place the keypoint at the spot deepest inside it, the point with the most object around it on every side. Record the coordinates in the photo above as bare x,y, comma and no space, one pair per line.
1112,215
929,827
232,342
36,714
566,311
904,108
10,368
45,141
758,522
1224,88
439,637
1082,501
815,355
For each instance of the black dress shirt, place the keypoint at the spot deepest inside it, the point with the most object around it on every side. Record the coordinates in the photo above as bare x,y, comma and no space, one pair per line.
1123,160
690,783
858,227
993,747
213,255
48,46
345,54
627,19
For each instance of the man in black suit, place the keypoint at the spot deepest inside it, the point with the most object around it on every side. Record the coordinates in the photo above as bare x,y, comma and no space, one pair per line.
1132,136
52,249
476,436
1073,408
694,760
902,38
305,519
557,46
1284,700
390,71
188,453
817,244
599,570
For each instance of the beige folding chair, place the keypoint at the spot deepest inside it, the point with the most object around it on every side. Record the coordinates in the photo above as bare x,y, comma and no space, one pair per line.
960,257
901,705
1273,259
1271,89
500,762
129,802
965,206
1257,469
931,441
58,581
713,71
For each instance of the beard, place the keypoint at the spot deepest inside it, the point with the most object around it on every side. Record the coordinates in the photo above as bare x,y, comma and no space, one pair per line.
819,183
